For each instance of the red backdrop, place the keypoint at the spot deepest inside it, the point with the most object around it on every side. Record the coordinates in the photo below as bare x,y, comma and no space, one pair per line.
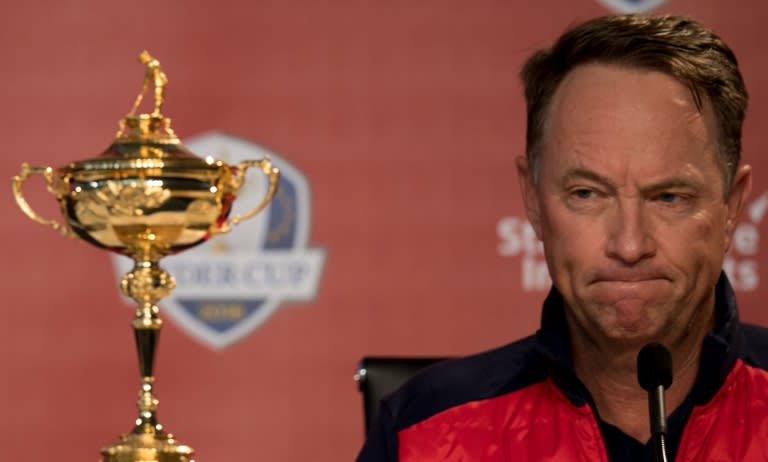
404,117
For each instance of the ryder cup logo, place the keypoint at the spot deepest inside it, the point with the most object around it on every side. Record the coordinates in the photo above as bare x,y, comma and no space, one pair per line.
632,6
230,285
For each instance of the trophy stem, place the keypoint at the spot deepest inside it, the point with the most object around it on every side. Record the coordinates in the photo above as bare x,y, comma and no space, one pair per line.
146,328
148,442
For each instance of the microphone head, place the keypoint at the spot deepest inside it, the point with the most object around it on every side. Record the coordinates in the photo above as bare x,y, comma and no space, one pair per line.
654,366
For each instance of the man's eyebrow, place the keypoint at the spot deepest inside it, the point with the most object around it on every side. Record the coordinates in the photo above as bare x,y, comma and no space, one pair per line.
591,175
585,174
670,183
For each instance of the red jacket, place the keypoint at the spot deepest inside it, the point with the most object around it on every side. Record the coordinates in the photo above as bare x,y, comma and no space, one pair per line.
522,402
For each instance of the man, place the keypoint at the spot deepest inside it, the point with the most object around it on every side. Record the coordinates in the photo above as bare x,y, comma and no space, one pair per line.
632,182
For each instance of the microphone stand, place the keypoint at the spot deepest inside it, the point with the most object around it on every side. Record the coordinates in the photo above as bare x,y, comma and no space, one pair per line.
658,417
654,373
660,447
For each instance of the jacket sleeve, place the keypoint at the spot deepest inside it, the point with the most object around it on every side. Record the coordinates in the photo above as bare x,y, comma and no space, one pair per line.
381,443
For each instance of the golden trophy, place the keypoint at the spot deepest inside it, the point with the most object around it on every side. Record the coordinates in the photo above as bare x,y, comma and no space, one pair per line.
146,197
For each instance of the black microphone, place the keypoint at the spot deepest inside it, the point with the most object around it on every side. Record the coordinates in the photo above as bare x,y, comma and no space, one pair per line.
654,372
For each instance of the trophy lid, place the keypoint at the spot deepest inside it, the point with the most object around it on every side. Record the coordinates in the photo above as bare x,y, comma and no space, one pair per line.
145,141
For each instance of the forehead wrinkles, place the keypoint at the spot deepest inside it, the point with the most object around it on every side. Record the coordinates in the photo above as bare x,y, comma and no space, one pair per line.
596,100
621,98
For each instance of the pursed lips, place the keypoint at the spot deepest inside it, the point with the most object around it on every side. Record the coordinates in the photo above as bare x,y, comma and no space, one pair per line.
622,276
623,284
619,284
624,287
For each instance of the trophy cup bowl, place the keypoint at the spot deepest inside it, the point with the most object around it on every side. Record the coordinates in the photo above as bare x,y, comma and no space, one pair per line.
146,196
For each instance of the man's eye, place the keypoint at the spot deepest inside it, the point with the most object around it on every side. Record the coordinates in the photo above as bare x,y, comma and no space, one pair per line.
668,198
583,193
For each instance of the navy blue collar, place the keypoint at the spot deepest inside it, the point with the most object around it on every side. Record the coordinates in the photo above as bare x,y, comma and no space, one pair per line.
720,349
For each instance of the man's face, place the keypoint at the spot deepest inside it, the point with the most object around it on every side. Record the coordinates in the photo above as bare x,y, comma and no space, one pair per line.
629,203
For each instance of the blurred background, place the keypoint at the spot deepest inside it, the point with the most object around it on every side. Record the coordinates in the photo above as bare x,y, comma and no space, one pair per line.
398,122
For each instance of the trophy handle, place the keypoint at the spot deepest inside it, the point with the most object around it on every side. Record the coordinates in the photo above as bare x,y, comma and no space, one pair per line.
17,183
273,173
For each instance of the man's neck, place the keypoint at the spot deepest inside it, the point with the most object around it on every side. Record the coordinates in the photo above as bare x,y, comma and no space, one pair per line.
609,372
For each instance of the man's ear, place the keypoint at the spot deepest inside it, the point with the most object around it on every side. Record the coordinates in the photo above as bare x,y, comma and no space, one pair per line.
528,191
736,200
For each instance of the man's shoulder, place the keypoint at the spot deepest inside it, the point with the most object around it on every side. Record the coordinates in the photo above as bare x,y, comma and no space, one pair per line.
457,381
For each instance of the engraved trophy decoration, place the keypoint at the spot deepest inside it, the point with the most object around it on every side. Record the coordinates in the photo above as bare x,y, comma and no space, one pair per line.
146,197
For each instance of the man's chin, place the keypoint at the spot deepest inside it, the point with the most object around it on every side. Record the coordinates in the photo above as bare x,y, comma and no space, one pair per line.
629,323
631,334
630,318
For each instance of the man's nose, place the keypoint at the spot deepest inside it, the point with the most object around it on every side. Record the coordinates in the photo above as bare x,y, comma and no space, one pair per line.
630,233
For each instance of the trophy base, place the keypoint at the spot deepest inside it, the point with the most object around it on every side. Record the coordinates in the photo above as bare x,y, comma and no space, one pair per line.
147,447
